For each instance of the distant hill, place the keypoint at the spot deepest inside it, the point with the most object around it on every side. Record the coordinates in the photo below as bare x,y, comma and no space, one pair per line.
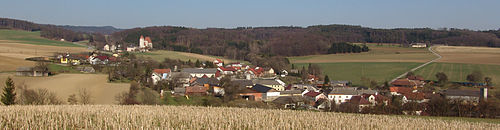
91,29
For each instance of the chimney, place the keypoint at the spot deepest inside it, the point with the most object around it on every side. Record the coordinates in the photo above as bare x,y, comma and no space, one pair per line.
484,93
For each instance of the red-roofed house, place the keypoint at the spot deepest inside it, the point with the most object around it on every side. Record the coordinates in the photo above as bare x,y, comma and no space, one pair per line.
219,62
414,97
196,90
226,70
360,101
400,90
160,74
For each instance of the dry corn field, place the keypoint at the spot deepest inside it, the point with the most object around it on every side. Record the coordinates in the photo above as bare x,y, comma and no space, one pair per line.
186,117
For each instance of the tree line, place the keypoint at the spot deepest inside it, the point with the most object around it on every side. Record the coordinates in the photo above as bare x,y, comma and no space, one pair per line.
347,48
50,31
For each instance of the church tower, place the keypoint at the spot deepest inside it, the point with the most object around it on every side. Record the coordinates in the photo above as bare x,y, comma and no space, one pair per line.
141,42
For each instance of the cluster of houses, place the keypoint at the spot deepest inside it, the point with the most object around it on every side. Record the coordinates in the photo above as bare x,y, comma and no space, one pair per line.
199,81
80,59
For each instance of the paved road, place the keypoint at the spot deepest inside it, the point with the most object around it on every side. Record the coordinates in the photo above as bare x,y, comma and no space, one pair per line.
420,66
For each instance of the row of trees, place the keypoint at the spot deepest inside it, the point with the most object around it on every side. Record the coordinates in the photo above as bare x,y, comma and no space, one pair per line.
347,48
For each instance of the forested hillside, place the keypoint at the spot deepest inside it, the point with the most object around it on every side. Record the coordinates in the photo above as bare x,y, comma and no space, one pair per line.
294,41
91,29
47,31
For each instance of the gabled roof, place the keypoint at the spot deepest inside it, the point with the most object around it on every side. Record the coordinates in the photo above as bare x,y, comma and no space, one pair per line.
414,96
148,39
227,68
359,100
288,99
196,89
210,81
291,92
343,92
243,82
262,88
203,71
401,89
161,71
266,82
218,61
457,92
312,94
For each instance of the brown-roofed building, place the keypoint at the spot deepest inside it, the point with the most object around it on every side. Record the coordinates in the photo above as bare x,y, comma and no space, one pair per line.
196,90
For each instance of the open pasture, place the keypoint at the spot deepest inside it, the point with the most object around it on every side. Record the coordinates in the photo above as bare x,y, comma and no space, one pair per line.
458,72
160,55
353,71
385,53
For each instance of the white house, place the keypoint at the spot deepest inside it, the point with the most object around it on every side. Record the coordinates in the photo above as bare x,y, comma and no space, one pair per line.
106,47
199,73
160,74
418,45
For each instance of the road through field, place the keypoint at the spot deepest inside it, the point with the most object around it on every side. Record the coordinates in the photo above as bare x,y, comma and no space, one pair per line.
420,66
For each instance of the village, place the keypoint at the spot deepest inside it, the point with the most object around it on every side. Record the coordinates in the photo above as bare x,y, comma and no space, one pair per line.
253,83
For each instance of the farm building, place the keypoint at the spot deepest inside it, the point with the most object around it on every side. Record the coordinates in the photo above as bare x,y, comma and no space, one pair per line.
466,95
418,45
198,73
30,71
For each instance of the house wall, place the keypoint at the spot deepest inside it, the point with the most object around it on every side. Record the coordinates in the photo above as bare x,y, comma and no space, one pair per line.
339,98
199,75
257,96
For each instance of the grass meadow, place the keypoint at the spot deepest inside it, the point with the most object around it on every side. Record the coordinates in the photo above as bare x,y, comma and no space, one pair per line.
191,117
353,71
26,37
385,53
459,71
160,55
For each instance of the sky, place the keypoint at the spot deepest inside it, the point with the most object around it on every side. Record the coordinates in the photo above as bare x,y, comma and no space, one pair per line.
464,14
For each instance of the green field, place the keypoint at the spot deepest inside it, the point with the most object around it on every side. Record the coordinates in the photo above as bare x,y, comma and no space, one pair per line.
385,53
353,71
160,55
459,72
26,37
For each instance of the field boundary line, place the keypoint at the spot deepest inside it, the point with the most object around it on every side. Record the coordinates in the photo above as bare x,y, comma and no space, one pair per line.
422,65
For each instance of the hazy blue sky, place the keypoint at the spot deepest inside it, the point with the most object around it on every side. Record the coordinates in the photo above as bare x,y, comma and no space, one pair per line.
470,14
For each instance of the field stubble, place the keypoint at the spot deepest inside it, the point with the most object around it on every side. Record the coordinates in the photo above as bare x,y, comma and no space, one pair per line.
189,117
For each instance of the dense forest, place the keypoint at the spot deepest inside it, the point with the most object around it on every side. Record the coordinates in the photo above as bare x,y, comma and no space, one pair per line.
238,43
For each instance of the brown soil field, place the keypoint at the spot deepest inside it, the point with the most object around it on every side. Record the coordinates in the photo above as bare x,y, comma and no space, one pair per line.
469,55
12,54
67,84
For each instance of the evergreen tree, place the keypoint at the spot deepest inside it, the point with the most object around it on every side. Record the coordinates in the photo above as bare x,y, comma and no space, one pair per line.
326,80
197,63
9,94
